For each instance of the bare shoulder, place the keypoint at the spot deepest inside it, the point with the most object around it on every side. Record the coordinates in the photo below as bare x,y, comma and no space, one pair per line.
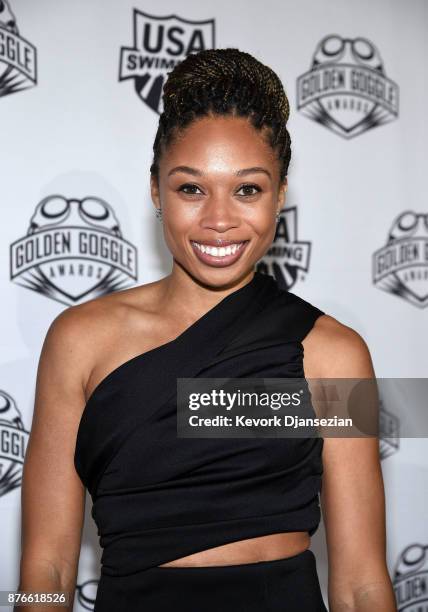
80,334
335,350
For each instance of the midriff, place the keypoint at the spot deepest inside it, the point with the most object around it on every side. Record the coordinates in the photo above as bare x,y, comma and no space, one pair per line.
263,548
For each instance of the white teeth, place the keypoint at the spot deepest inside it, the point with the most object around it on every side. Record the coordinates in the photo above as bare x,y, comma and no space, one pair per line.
218,251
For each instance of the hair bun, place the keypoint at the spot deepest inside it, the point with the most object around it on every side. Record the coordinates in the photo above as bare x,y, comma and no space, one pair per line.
227,68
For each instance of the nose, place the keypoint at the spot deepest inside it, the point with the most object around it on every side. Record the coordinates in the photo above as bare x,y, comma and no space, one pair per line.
220,214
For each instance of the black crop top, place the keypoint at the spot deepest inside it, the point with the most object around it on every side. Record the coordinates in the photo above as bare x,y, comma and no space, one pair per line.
157,497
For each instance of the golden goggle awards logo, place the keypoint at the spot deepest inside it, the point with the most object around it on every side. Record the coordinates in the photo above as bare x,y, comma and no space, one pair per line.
14,439
18,58
160,43
73,251
410,579
389,432
346,88
401,266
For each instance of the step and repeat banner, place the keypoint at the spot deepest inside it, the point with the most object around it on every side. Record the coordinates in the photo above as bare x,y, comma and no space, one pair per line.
80,89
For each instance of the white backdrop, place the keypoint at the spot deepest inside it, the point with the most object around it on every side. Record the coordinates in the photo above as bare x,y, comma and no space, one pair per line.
80,101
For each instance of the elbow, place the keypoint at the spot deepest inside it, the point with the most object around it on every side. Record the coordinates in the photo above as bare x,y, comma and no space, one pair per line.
43,574
376,593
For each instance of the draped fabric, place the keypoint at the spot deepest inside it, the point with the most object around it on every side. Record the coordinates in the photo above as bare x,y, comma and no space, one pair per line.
157,497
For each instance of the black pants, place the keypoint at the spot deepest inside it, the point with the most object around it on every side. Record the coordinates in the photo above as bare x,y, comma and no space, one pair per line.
284,585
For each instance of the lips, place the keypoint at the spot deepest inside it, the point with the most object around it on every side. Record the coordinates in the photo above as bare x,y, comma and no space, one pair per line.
219,253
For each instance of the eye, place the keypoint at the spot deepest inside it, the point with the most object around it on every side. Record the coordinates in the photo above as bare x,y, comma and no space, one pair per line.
188,188
250,186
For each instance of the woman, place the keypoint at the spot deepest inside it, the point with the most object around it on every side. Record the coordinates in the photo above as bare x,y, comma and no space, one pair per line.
202,524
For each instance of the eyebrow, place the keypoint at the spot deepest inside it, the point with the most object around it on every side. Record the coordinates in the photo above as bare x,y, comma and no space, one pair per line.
196,172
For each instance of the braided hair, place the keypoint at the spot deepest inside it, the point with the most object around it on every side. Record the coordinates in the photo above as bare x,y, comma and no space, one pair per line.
224,82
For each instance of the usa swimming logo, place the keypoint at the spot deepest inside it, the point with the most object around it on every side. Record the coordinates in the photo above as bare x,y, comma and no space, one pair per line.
73,251
287,259
346,88
14,440
18,57
160,43
401,266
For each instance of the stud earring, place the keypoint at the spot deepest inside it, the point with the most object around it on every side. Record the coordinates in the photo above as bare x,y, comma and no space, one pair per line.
277,216
158,212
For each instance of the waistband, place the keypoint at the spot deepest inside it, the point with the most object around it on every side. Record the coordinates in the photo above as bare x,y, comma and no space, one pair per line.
260,586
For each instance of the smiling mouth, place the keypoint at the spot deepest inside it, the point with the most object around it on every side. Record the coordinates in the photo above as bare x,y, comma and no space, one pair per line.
219,252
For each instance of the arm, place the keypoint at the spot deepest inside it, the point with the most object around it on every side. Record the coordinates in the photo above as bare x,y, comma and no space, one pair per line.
352,496
53,497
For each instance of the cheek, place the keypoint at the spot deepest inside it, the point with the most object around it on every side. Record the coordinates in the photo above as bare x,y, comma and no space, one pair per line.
180,218
177,227
263,229
261,220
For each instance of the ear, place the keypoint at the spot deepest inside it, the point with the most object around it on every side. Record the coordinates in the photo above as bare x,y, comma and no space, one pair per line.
154,191
281,194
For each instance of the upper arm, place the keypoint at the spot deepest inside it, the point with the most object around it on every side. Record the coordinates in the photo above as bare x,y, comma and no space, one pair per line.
352,495
53,497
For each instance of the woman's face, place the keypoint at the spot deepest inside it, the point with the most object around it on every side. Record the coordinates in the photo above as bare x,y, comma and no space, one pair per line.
219,192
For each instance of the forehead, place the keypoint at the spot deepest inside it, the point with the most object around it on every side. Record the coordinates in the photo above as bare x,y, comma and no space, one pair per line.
219,143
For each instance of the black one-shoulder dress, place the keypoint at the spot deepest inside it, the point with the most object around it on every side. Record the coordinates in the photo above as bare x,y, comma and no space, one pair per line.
158,497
